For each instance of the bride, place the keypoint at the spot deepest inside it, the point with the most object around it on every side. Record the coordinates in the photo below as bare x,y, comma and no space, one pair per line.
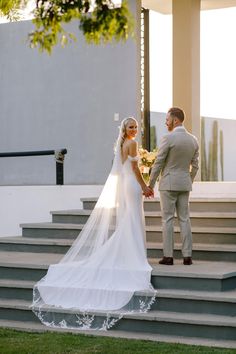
105,274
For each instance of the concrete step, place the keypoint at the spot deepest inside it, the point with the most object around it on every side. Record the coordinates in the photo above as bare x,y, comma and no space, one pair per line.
25,265
202,219
39,328
37,245
201,276
216,235
214,252
158,322
207,252
196,204
217,303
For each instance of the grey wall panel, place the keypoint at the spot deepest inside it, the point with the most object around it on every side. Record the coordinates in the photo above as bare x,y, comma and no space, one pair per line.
66,100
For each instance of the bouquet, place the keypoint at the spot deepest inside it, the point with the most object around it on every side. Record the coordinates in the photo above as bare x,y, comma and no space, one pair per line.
146,162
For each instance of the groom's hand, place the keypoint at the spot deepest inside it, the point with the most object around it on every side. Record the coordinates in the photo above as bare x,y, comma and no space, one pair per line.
151,191
148,192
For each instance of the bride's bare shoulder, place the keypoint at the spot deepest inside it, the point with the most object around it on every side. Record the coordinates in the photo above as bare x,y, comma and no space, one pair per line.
133,146
132,143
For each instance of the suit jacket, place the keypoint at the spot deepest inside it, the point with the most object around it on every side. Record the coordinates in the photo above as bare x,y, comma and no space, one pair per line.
176,162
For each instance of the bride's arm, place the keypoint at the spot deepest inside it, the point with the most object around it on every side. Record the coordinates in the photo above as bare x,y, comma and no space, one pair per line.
133,153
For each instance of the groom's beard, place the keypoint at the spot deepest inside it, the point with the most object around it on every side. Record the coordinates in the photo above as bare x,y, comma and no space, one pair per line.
170,126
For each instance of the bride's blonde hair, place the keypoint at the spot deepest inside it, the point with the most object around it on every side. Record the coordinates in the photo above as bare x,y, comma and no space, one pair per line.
123,127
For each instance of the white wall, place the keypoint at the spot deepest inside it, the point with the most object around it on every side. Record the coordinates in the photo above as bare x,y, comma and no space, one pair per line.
214,190
28,204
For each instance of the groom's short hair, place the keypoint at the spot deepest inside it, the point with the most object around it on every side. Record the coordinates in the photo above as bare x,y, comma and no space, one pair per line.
177,112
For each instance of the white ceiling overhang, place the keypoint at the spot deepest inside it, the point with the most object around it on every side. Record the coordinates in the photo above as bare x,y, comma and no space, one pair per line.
165,6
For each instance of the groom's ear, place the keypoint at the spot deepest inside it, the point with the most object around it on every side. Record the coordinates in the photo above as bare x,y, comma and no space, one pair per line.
176,121
173,121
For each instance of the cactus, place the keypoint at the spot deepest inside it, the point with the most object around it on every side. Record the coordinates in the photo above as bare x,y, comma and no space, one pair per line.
213,154
215,151
210,162
153,138
209,167
222,155
204,170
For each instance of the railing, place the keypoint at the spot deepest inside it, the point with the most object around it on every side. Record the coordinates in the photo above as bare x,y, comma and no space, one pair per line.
59,156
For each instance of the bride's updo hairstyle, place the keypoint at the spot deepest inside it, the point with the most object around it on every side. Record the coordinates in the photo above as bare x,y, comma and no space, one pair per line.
123,127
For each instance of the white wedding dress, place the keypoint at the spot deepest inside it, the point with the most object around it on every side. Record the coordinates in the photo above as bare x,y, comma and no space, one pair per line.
105,274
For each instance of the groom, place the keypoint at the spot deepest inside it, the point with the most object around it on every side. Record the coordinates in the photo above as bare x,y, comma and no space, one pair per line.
177,165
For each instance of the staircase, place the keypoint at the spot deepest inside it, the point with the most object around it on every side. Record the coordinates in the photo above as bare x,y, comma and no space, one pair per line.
195,304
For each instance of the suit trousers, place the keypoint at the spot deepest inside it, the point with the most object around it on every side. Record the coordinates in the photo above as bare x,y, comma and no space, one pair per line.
178,201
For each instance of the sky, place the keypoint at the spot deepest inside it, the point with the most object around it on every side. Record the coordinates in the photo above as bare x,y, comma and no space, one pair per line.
218,58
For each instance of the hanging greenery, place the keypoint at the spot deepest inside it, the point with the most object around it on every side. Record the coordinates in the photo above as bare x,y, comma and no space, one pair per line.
101,21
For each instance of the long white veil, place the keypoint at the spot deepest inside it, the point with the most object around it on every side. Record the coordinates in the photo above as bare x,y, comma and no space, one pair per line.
103,218
95,284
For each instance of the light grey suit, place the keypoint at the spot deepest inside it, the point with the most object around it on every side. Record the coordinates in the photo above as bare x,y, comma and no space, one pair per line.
177,165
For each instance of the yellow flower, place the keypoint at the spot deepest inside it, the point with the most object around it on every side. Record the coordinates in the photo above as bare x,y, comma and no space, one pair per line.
147,158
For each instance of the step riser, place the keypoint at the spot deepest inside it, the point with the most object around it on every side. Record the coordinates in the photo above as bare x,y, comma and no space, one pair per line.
70,219
159,282
50,233
206,238
15,293
12,314
144,326
88,205
22,273
198,206
12,247
194,206
152,236
198,255
161,304
155,221
198,284
194,306
177,329
196,222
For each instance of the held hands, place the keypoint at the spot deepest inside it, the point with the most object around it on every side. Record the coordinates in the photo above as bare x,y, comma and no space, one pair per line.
148,192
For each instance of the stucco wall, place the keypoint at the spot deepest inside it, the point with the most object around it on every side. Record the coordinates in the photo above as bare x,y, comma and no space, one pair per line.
66,100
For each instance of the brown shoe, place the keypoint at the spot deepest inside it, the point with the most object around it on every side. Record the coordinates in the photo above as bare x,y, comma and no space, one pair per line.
187,261
167,261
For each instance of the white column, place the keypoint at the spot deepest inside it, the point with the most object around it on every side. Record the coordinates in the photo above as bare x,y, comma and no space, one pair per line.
186,61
